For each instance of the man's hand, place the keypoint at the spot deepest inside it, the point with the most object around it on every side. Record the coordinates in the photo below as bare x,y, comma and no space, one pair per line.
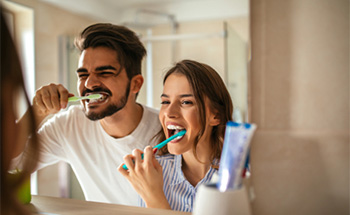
50,99
47,100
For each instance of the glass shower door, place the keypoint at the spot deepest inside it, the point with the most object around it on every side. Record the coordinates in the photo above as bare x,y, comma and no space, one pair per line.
237,73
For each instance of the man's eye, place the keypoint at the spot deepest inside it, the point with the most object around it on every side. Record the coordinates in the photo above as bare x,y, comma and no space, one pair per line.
106,73
165,102
83,76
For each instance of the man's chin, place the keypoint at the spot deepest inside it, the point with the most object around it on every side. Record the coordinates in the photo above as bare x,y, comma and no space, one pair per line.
94,116
97,115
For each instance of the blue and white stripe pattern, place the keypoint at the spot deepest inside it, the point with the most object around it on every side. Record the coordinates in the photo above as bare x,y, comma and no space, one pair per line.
178,191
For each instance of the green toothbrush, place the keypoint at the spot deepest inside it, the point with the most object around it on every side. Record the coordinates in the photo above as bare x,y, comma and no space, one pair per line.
78,98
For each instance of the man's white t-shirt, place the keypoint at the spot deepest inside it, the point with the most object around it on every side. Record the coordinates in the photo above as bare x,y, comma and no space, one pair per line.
94,155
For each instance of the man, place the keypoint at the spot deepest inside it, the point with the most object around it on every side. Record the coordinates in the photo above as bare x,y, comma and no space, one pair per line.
114,125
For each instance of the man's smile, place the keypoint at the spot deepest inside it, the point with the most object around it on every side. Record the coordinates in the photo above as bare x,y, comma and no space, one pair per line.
93,102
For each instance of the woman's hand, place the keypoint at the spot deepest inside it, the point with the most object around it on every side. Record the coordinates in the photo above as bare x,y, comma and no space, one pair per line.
146,177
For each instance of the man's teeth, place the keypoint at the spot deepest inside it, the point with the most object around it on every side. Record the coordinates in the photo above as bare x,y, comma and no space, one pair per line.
103,97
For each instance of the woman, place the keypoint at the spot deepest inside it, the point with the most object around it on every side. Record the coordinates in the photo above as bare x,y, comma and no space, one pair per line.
195,99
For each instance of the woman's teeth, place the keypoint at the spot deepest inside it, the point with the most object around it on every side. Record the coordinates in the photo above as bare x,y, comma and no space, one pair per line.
174,129
177,138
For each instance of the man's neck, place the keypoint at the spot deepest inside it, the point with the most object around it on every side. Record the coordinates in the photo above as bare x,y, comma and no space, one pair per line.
124,122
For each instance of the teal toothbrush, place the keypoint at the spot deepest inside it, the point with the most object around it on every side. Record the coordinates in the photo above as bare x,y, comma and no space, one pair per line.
78,98
162,144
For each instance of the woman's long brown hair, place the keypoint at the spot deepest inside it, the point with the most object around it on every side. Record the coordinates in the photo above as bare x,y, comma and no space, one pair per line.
12,82
206,83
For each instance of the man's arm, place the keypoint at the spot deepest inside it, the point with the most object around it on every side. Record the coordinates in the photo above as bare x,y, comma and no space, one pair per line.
49,99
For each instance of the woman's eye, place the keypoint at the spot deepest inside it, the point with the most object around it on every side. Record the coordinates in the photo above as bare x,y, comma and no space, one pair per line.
187,102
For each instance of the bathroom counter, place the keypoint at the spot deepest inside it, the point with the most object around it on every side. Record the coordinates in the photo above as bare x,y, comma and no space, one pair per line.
54,206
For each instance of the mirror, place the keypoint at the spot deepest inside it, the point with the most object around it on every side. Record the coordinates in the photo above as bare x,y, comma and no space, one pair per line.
168,38
172,32
212,32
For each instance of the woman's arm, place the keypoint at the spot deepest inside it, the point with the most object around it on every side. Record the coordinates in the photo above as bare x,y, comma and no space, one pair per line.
146,177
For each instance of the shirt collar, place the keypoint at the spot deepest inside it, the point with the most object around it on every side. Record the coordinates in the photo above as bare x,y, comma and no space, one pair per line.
179,175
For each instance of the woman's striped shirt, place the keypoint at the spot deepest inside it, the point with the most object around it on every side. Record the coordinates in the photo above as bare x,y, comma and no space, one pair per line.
178,191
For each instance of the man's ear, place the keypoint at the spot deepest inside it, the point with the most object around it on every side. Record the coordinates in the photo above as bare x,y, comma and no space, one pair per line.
214,119
136,83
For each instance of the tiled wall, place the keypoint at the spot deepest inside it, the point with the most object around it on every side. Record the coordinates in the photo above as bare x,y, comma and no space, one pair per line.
300,102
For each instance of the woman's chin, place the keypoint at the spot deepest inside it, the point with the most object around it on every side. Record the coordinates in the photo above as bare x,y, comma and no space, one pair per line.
175,151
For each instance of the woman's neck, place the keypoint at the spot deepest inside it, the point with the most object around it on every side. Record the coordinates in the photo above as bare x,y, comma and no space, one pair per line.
193,169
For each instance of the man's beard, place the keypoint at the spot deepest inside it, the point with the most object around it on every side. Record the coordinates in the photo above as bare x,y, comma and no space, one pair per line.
112,108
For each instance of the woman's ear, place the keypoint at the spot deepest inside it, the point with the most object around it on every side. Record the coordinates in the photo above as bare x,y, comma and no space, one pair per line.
214,119
136,83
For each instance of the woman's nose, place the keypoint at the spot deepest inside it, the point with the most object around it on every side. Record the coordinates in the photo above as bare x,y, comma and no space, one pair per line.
172,111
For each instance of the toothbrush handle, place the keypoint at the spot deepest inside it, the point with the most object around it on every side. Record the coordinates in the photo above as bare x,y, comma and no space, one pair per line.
73,99
160,145
154,151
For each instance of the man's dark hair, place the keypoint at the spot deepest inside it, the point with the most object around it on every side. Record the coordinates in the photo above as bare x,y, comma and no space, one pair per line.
125,42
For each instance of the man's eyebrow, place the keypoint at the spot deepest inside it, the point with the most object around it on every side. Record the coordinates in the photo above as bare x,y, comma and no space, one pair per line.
100,68
108,67
81,70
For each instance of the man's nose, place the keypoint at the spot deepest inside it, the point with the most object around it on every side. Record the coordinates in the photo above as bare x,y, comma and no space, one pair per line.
92,81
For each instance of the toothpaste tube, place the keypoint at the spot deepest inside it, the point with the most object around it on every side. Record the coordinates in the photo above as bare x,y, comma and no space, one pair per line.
234,154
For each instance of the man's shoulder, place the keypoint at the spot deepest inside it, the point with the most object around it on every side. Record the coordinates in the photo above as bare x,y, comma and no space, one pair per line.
75,108
73,113
150,118
150,110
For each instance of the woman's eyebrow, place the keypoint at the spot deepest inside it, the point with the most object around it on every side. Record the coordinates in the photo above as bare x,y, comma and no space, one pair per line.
181,96
186,95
